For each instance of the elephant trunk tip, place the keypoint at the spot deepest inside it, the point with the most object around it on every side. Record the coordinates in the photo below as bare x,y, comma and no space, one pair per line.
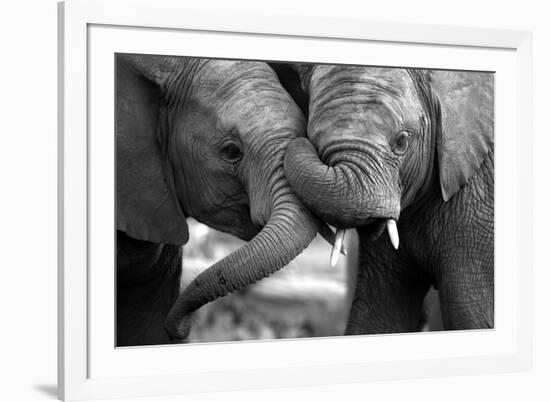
179,329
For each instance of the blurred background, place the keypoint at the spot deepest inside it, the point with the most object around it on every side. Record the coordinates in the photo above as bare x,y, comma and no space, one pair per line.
308,298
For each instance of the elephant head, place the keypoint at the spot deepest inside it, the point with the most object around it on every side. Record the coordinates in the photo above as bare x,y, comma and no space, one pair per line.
379,138
206,138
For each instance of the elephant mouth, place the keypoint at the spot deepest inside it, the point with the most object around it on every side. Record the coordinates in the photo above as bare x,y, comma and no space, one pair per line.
370,230
373,228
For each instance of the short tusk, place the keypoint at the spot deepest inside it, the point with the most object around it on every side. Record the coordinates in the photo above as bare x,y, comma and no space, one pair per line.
337,248
391,225
326,233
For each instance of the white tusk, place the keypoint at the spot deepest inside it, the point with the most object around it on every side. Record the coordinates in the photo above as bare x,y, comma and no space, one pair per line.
344,250
338,243
326,233
391,225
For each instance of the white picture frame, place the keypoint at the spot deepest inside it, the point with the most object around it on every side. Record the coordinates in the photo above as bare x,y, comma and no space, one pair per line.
88,369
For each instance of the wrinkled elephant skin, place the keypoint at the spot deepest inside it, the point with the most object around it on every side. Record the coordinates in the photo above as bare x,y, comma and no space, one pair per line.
203,138
409,151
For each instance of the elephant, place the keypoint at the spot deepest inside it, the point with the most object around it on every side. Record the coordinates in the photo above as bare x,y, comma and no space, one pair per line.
201,138
408,148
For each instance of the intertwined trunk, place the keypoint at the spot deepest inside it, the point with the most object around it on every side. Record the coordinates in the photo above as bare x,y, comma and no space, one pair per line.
352,188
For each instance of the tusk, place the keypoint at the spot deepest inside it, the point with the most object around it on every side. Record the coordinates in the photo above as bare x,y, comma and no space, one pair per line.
326,233
391,225
337,248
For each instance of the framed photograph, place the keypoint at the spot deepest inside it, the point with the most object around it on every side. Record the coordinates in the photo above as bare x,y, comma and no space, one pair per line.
259,201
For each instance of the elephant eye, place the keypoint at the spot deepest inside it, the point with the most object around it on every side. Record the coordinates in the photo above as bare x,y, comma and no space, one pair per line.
232,152
400,142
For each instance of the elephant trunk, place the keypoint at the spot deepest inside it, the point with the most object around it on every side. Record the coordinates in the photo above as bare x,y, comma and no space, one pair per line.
288,231
355,185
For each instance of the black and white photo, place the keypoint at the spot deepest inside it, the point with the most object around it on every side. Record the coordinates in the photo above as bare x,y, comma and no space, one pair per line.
263,200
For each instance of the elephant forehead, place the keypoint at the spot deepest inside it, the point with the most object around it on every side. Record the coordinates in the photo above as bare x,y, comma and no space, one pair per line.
357,97
391,78
252,115
245,117
219,76
358,119
230,85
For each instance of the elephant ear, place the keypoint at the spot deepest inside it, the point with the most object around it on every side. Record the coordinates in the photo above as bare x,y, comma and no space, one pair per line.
465,133
147,209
